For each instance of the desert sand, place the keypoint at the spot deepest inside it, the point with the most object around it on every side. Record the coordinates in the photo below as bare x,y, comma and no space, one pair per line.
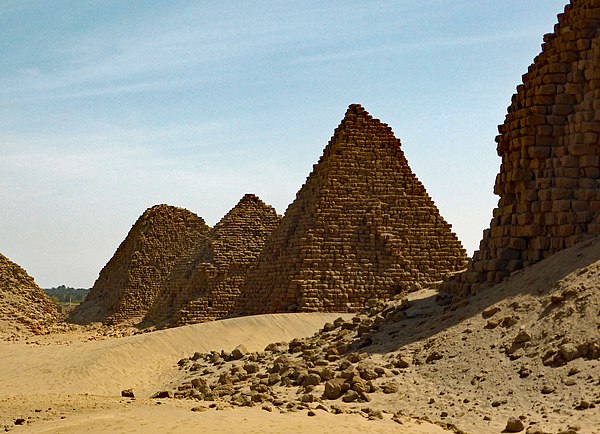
527,348
71,382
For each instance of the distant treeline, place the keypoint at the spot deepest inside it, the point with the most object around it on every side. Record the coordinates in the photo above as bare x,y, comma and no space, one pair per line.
65,294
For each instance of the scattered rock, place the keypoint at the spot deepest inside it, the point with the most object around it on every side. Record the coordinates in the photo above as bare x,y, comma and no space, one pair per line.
350,396
522,337
547,389
127,393
162,394
391,387
490,312
514,424
335,388
239,352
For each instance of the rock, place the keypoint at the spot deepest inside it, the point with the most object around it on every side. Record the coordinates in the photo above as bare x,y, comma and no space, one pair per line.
547,389
350,396
162,394
490,312
199,409
274,379
127,393
522,337
368,374
569,351
326,374
311,413
359,385
433,357
400,362
514,424
251,368
524,372
239,352
197,356
311,380
225,379
391,387
19,421
223,390
335,388
492,323
308,397
372,414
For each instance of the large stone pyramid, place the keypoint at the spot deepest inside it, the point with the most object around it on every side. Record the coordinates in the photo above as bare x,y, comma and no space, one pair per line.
23,305
205,286
549,180
361,227
129,282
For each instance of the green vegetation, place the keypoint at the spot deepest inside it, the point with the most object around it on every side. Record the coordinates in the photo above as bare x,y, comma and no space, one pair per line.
65,294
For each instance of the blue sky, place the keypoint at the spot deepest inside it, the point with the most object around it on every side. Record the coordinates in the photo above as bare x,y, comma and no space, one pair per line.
109,107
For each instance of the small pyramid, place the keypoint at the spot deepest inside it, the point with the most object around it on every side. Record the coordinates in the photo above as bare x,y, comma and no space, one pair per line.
129,282
205,286
550,148
361,227
23,305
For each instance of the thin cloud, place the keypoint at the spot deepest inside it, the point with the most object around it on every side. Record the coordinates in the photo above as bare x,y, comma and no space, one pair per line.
403,48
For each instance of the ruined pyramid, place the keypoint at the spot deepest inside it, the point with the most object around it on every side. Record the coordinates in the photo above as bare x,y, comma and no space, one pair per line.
206,285
129,282
361,227
23,305
549,143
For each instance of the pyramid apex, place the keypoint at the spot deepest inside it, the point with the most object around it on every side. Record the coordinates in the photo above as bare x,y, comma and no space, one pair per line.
249,197
356,109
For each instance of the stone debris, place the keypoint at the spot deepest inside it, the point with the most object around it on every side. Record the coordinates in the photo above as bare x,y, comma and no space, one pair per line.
129,282
514,424
429,361
550,149
127,393
22,301
362,227
206,284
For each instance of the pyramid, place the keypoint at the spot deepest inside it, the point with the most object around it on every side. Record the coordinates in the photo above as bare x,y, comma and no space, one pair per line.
129,282
362,226
23,305
205,286
549,143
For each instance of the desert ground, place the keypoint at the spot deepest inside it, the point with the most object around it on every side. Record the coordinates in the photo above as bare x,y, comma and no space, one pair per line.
526,349
72,381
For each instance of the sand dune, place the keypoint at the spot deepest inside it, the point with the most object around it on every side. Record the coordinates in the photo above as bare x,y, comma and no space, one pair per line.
66,384
142,362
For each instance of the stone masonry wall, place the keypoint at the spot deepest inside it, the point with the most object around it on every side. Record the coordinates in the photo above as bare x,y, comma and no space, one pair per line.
361,227
129,282
549,180
205,286
22,302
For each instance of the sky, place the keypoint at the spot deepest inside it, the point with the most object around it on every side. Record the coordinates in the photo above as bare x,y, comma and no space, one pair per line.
108,107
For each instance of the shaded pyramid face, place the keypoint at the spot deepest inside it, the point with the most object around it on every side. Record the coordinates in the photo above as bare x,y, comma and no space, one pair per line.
361,227
549,143
129,282
22,303
205,286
